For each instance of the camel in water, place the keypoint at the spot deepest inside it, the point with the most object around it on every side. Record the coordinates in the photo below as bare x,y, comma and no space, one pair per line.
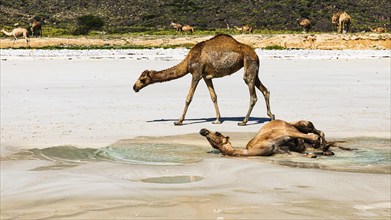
217,57
274,137
342,20
18,32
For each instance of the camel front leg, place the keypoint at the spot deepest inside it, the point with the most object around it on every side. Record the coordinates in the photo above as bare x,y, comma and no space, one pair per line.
253,100
189,98
213,96
310,137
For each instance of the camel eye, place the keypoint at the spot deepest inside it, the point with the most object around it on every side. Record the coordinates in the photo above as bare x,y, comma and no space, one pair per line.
142,80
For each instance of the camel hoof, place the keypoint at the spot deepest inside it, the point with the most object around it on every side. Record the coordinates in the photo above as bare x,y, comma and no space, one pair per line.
273,117
178,123
310,155
328,153
216,122
242,123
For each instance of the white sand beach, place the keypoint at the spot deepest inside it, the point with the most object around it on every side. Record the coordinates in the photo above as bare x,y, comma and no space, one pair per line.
84,100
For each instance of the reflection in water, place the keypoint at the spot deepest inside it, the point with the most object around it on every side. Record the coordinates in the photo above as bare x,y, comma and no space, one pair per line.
372,155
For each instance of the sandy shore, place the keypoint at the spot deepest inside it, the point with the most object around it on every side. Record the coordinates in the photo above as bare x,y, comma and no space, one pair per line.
356,41
89,103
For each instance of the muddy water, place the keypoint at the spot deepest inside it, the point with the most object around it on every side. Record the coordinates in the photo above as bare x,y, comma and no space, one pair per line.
369,155
149,180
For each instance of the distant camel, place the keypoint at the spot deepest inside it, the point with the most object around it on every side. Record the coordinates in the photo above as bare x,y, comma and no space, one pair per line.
36,28
176,26
188,28
184,28
219,56
342,20
305,24
274,137
379,29
18,32
244,29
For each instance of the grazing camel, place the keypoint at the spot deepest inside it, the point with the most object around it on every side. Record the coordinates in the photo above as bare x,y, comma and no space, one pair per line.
18,32
36,28
379,29
176,26
245,29
219,56
342,20
305,24
184,28
274,137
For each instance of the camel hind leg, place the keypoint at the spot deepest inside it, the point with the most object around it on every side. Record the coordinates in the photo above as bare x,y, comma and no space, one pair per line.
308,127
266,95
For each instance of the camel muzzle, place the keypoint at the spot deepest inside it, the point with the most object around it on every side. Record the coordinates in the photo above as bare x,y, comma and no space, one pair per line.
204,132
135,88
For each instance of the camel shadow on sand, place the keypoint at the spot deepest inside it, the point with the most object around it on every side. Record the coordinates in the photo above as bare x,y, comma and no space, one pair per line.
251,121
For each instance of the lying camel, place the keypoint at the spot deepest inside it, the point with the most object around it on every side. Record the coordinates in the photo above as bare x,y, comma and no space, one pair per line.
274,137
220,56
379,29
18,32
185,28
244,29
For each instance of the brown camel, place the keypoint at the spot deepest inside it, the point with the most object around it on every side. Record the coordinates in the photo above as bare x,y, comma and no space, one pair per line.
274,137
244,29
176,26
18,32
185,28
379,29
305,24
219,56
342,20
36,28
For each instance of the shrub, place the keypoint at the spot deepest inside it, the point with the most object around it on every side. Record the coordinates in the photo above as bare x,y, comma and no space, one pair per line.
86,23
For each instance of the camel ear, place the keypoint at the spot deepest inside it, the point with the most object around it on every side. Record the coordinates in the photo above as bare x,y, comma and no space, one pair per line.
228,137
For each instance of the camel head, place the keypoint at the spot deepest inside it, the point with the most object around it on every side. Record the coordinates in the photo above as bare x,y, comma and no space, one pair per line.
335,18
144,80
216,140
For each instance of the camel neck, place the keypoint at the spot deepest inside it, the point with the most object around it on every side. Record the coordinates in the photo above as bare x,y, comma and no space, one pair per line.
6,32
172,73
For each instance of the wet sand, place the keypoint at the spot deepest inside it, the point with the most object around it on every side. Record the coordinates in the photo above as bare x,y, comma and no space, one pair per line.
52,110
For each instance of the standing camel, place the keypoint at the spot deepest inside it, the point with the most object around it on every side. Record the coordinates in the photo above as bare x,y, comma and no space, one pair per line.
176,26
342,20
274,137
305,24
244,29
36,28
219,56
188,28
18,32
